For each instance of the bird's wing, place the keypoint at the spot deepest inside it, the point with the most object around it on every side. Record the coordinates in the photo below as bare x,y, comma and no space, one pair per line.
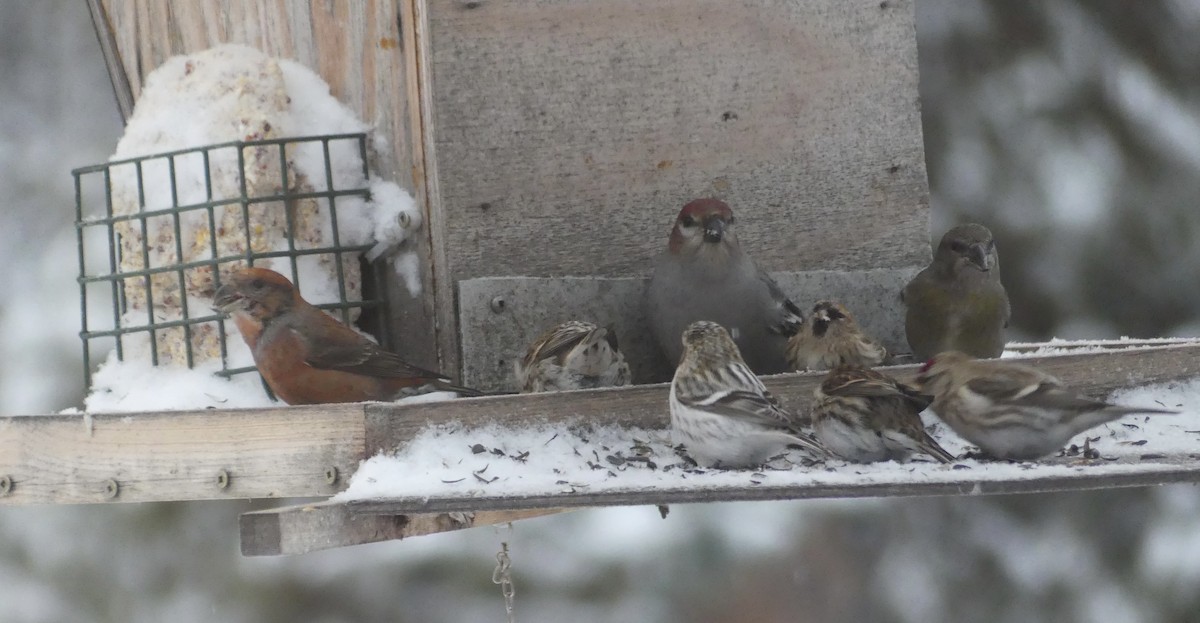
343,349
790,318
1040,394
873,348
907,292
740,395
559,341
869,384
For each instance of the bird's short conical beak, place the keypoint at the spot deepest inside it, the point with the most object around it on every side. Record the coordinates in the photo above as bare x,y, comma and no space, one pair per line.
226,298
980,257
714,229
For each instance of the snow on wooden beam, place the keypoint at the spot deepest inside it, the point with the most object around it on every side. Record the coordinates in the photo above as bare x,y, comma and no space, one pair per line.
1077,475
147,457
311,451
645,406
301,529
323,525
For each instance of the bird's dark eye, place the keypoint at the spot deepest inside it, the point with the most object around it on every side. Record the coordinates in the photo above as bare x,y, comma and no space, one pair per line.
257,284
688,221
991,244
958,246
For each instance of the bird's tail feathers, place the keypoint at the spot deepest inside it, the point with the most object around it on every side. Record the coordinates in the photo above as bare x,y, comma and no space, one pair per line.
934,449
1124,410
806,442
464,392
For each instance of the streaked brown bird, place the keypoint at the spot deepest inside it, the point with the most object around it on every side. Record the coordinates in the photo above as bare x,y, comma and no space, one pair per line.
721,412
1010,410
958,302
307,357
572,355
864,416
830,337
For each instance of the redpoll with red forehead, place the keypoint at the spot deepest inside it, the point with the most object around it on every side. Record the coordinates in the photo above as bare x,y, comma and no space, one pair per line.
705,275
829,338
573,355
721,412
958,302
1010,410
863,416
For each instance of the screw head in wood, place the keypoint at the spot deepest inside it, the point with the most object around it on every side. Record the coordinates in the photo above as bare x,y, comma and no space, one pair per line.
222,479
112,488
331,474
6,485
498,304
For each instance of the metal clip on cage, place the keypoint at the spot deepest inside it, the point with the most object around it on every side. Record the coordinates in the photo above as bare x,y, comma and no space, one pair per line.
172,222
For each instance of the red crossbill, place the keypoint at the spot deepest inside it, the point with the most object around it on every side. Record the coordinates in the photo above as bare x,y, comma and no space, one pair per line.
307,357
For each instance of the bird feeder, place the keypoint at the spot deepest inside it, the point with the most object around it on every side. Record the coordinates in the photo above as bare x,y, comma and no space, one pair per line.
164,252
549,146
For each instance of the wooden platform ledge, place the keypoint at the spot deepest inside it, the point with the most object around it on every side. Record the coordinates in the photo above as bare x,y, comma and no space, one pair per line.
312,451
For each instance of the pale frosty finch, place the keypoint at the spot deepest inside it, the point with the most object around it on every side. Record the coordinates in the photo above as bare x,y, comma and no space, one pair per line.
829,338
572,355
863,416
721,412
705,275
1010,410
958,302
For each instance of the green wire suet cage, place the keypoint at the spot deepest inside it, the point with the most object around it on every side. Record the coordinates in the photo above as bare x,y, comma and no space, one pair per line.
173,222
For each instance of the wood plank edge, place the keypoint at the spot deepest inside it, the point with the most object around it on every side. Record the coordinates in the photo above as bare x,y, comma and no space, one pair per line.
756,494
1055,364
122,89
318,526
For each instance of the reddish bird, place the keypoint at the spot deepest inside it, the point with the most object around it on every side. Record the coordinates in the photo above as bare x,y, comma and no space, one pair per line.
306,356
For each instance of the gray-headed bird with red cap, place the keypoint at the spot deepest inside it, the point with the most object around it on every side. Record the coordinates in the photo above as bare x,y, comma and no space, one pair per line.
705,275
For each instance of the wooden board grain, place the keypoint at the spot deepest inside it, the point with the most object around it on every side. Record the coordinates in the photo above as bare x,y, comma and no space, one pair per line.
1096,476
323,525
359,48
292,451
502,316
197,455
645,406
122,90
568,134
439,300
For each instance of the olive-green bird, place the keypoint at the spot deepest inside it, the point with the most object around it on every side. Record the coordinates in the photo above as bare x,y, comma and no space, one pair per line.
958,302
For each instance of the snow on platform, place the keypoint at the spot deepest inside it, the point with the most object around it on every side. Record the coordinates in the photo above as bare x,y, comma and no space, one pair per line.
454,468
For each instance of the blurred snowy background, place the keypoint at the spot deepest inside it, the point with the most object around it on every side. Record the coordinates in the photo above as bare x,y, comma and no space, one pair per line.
1071,127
